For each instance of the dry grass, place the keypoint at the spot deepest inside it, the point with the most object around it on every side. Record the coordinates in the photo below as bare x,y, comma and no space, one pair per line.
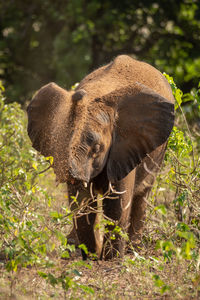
130,278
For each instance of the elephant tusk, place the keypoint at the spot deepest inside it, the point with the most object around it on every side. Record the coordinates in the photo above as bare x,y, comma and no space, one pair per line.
91,190
114,191
85,184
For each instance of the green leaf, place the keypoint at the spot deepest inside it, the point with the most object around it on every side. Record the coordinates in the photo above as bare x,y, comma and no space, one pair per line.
76,272
84,248
161,208
52,279
50,159
87,289
65,254
42,274
34,165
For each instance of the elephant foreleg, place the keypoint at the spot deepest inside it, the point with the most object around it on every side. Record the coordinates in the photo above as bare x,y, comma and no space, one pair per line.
118,210
84,229
84,210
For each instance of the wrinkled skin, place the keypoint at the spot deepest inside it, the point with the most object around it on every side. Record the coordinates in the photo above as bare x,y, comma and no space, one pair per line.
113,128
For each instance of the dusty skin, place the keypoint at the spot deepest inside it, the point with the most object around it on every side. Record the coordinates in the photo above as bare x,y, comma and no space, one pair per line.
111,133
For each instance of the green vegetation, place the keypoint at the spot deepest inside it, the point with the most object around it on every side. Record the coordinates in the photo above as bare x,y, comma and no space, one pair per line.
31,230
36,259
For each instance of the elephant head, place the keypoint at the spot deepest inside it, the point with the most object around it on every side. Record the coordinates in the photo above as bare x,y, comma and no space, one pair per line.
86,131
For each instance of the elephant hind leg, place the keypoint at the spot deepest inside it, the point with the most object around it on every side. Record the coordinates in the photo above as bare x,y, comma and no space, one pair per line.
145,177
138,213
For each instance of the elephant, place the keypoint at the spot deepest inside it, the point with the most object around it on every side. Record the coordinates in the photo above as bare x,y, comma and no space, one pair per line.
110,133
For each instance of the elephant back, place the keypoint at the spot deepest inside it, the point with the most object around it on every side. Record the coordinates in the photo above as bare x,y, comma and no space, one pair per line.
124,71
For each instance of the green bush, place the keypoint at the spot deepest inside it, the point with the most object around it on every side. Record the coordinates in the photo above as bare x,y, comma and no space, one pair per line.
21,239
32,232
175,197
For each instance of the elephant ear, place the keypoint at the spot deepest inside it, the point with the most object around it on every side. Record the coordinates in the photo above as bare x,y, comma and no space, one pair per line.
145,120
42,111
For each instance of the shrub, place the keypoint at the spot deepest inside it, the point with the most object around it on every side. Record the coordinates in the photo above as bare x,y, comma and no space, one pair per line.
21,237
31,230
175,197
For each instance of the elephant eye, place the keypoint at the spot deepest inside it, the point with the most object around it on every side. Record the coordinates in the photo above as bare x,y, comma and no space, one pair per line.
96,148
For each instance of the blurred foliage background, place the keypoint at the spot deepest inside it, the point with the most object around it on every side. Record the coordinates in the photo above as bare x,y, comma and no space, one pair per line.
61,41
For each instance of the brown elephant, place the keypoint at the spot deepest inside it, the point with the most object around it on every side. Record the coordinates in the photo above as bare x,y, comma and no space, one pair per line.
112,129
